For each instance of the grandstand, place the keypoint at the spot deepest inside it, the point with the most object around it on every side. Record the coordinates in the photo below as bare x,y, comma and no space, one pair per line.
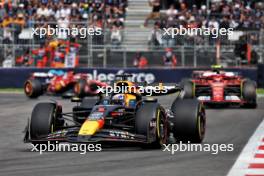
126,32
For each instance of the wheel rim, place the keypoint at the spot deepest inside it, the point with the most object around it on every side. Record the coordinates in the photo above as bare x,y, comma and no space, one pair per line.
162,129
28,88
201,122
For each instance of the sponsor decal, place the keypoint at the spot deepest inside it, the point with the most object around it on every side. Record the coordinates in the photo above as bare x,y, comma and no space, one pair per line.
136,77
121,134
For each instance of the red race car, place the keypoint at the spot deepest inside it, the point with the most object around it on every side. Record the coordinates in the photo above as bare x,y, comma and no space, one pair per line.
85,87
55,82
221,87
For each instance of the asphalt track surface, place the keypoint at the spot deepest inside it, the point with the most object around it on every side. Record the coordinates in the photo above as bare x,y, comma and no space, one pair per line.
224,126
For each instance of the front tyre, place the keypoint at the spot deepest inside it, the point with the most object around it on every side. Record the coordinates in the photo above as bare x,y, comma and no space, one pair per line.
189,120
44,120
249,94
151,122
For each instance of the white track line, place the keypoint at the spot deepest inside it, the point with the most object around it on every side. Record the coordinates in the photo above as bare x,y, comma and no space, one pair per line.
240,168
260,152
257,160
254,172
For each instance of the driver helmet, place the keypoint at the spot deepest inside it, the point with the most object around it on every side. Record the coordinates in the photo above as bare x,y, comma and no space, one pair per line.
169,54
119,99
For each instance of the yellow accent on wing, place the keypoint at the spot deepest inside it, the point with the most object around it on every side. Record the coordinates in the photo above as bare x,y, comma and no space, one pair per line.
129,97
89,127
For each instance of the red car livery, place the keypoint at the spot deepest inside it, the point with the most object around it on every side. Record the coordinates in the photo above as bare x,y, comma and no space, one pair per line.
55,83
220,87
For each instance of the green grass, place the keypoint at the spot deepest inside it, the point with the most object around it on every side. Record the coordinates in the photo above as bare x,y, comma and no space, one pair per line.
260,91
11,90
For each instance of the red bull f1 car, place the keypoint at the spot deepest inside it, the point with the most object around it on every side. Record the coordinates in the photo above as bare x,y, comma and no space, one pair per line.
128,117
221,87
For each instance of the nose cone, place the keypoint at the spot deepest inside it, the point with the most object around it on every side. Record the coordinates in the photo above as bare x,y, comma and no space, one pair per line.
90,127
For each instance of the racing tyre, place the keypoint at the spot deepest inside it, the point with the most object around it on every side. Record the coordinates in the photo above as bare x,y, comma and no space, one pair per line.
249,94
44,120
82,111
189,120
187,86
147,114
79,88
33,88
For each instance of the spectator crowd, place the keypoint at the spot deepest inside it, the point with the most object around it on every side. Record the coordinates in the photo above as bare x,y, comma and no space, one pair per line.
20,14
110,15
18,17
236,14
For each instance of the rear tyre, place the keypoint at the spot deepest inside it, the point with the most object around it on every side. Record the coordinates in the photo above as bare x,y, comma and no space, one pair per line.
44,120
187,86
189,120
249,94
33,88
147,114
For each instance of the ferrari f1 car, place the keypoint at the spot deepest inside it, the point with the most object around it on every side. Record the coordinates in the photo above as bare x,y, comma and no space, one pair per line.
85,87
124,117
56,82
220,87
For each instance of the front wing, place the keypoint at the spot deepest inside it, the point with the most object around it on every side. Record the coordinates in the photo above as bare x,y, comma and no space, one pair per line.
227,100
105,135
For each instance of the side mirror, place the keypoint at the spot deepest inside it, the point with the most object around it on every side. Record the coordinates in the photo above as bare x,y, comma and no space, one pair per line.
150,99
76,99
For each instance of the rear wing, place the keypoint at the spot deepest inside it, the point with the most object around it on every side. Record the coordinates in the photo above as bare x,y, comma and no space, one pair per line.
48,74
42,75
204,74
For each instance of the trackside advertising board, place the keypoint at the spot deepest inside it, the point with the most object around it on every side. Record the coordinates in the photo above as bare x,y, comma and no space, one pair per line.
15,77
